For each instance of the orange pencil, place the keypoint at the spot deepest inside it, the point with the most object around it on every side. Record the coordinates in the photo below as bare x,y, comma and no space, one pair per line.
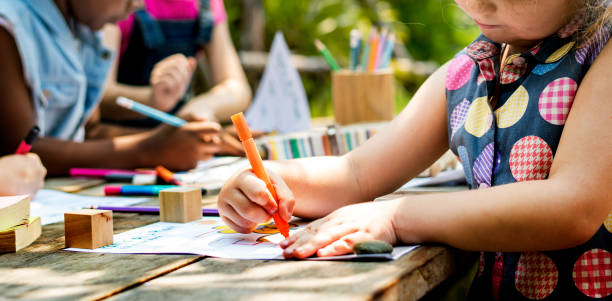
167,175
244,133
373,50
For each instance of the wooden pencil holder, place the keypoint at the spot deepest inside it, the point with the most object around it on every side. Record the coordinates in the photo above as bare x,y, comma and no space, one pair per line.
363,96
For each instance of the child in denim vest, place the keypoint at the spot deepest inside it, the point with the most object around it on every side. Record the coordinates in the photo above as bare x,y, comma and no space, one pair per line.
527,108
52,74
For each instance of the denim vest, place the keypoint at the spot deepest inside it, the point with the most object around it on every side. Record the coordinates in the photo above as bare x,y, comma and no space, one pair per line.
153,40
64,70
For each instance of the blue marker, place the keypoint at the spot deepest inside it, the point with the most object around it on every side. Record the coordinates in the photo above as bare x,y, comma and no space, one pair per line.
149,190
150,112
355,41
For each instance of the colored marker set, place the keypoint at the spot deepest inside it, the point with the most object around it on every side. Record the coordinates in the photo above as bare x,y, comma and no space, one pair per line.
333,141
373,54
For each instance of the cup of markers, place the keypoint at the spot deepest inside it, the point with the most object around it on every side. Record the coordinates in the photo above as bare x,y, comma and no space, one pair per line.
365,91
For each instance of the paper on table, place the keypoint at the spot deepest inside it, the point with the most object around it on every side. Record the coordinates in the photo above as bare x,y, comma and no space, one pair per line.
51,205
211,237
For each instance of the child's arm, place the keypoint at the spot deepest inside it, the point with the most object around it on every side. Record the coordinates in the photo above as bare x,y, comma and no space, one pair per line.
177,148
231,92
411,143
21,174
561,212
170,79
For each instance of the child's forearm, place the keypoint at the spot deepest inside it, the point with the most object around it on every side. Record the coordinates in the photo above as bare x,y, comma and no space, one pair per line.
58,156
320,185
222,101
534,215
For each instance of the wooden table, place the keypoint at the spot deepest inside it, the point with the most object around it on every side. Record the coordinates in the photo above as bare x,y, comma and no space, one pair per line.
45,271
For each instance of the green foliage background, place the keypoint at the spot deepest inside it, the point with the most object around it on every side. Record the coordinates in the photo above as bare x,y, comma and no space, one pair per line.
431,30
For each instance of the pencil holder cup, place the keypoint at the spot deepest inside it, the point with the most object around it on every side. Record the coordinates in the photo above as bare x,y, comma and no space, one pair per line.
363,96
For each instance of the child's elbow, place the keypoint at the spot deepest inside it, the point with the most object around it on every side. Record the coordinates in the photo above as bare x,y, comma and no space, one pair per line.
584,227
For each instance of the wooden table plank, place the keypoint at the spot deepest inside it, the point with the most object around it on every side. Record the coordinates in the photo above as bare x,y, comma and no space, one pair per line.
408,278
44,271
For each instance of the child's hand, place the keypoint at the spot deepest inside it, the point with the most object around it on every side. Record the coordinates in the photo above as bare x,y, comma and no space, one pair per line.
170,79
245,201
182,148
21,174
337,233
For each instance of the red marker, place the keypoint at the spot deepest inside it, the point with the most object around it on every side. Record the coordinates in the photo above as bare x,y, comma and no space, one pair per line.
26,144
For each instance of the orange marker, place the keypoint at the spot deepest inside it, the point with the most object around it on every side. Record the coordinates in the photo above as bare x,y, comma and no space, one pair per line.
244,133
167,175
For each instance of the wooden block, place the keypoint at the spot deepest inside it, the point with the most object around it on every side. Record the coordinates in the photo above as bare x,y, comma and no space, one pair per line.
88,228
180,205
21,236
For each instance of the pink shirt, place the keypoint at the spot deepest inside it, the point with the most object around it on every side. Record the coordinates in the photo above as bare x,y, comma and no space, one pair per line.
171,10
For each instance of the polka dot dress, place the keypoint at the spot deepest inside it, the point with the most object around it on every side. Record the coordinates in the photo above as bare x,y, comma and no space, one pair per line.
515,140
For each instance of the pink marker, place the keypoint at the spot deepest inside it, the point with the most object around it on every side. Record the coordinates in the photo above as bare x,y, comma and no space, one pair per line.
101,173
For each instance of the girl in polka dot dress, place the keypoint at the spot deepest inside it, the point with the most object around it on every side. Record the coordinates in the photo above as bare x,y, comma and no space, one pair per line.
527,109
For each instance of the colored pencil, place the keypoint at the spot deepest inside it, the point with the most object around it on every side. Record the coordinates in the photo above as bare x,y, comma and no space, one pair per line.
149,209
150,112
327,55
388,52
373,41
355,43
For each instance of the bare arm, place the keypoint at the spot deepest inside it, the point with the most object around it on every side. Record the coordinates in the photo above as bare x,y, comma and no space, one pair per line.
179,148
231,92
562,211
317,186
381,165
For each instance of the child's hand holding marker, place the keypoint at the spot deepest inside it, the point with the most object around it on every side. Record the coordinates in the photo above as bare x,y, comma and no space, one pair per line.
245,201
177,143
21,174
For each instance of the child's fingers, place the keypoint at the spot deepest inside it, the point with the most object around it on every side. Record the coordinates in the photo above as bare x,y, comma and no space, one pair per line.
343,245
227,209
235,227
193,63
256,191
311,240
202,127
286,199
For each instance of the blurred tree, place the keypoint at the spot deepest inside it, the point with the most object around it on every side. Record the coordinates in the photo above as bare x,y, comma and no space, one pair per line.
428,30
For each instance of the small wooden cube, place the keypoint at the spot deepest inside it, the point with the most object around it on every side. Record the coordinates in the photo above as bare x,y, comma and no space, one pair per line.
180,205
88,228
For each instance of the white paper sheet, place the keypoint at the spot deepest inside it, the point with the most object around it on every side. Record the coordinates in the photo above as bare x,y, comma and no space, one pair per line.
211,237
280,103
51,205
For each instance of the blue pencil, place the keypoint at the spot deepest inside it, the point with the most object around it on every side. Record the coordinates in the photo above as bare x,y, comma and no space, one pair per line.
150,112
388,52
355,41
